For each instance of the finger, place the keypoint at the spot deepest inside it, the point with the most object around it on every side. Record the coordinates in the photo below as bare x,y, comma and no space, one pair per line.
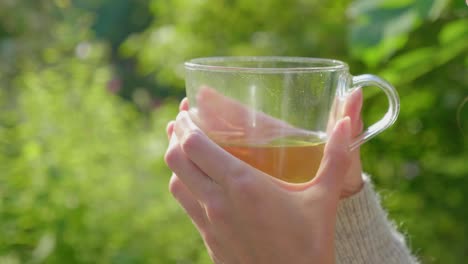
214,161
212,101
170,128
334,114
184,104
195,180
188,201
211,105
352,108
221,113
336,158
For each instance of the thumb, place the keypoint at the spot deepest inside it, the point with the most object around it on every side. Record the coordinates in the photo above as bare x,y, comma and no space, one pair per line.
336,158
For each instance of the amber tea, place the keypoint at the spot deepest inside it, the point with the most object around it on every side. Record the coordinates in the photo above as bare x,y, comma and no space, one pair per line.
288,159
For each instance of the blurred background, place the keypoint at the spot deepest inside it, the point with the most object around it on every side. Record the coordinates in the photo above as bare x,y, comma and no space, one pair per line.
87,87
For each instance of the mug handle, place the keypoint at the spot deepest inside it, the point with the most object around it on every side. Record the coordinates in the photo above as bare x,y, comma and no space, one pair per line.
390,116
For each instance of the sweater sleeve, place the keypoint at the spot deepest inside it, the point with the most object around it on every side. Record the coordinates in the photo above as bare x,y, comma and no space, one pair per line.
364,234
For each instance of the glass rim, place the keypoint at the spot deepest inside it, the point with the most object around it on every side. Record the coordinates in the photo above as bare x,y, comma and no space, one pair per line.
209,64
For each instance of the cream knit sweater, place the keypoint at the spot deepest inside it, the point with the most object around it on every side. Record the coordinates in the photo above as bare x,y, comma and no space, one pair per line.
365,235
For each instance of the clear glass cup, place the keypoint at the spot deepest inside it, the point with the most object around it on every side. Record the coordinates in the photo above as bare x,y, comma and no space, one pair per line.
275,113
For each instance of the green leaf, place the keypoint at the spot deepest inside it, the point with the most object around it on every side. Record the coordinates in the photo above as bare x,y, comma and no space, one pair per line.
381,28
381,32
411,65
438,9
454,31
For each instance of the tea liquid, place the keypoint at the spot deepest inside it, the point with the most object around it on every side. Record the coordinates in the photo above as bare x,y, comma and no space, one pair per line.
291,160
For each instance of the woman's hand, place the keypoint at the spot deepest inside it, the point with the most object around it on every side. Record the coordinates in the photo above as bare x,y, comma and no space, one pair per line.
245,216
209,103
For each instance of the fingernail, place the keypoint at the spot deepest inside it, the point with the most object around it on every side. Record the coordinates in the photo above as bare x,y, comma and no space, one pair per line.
347,127
170,128
183,104
184,125
343,124
355,97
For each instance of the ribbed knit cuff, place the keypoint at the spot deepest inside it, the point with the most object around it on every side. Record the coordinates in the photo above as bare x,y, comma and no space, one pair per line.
364,234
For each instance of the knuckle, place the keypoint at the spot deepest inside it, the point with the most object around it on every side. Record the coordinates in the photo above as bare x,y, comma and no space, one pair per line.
211,191
337,153
243,184
244,189
235,169
192,140
337,161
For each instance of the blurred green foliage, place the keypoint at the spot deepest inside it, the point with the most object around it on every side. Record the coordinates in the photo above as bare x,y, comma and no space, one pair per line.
88,86
82,178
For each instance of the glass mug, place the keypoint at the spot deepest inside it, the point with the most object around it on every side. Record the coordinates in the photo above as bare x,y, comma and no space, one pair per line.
275,113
